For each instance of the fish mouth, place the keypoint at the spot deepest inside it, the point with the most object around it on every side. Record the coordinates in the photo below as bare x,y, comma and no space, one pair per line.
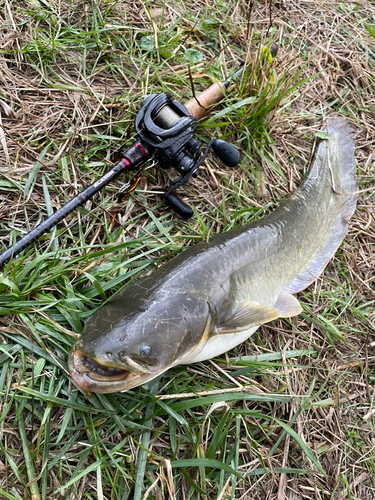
99,371
93,376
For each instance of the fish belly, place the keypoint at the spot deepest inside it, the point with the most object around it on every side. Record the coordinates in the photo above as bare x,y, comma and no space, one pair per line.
217,345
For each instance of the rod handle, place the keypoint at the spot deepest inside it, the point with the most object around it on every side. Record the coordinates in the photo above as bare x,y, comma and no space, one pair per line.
208,97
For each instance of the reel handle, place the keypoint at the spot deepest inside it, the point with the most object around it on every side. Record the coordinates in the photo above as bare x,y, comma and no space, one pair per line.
228,154
178,206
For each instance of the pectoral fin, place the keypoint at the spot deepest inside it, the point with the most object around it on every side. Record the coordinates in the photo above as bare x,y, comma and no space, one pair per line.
250,314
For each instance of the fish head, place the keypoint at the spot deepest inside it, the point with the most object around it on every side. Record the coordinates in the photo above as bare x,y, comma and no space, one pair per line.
135,337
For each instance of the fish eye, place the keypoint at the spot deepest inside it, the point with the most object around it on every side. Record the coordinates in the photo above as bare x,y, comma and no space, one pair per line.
144,350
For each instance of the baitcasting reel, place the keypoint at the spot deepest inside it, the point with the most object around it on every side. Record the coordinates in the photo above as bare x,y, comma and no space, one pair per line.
166,127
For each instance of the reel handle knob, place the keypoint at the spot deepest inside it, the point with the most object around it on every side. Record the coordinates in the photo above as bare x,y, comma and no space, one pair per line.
178,206
226,153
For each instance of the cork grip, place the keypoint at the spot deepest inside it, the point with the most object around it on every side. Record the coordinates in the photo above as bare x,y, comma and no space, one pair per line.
208,97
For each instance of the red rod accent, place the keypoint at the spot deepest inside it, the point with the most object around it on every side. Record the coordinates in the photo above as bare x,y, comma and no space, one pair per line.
141,148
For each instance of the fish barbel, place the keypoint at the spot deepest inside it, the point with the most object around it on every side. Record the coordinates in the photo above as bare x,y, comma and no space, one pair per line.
214,295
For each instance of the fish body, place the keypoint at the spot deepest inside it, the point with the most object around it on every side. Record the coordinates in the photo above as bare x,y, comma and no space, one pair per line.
214,295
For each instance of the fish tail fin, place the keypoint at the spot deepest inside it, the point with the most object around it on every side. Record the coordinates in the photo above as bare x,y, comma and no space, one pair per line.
336,156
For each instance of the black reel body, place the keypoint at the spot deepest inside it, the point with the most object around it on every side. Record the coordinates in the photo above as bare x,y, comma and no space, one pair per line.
165,125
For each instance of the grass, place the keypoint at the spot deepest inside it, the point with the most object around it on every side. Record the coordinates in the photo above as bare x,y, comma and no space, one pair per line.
289,413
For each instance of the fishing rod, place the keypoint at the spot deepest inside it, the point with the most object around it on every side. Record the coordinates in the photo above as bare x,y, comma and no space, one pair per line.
166,129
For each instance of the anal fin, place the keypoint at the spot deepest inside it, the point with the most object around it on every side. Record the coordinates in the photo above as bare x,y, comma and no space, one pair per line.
287,305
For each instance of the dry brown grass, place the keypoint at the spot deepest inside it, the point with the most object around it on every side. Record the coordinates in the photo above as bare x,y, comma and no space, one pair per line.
61,100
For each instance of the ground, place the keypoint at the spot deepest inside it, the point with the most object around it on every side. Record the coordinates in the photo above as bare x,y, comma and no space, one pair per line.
289,413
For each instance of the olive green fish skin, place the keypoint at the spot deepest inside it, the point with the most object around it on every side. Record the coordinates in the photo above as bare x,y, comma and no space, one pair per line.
180,310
